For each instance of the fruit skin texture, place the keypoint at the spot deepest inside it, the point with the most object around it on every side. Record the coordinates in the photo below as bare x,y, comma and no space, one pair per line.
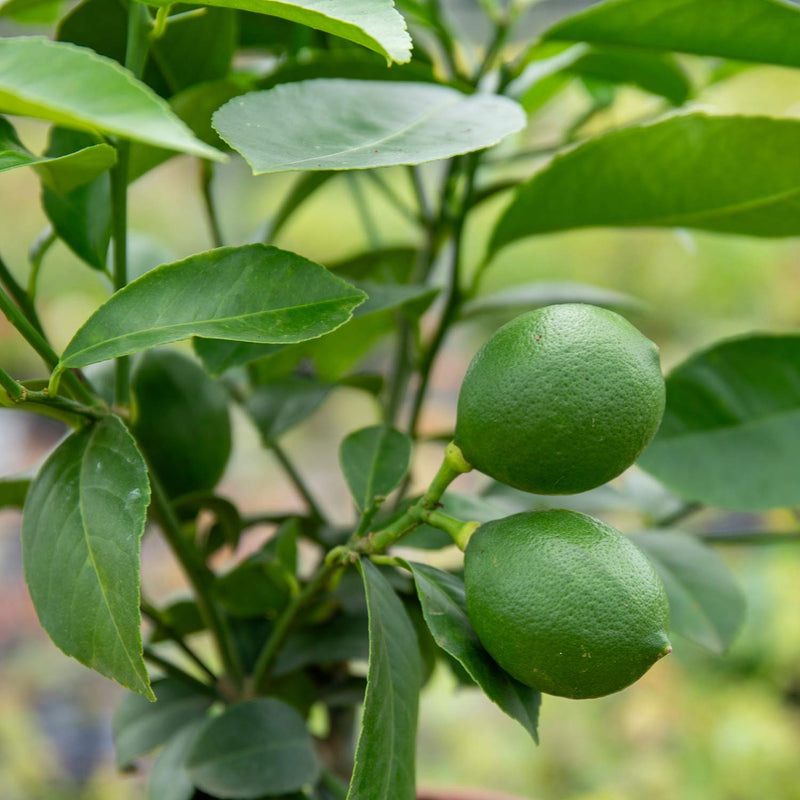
560,400
565,603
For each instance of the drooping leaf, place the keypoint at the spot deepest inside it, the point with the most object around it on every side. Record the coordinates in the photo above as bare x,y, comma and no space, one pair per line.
728,174
384,765
348,124
706,604
13,491
279,405
731,430
374,461
140,726
252,293
251,748
169,779
81,528
445,609
766,31
76,88
183,424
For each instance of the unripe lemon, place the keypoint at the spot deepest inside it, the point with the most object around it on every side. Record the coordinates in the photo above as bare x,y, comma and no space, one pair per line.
560,400
565,603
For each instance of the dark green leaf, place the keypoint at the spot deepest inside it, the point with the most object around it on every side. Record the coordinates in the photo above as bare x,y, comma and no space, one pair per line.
183,425
256,747
81,529
140,726
747,30
374,461
280,405
169,779
445,608
76,88
258,587
347,124
731,430
705,603
183,617
252,293
13,492
384,765
384,265
727,174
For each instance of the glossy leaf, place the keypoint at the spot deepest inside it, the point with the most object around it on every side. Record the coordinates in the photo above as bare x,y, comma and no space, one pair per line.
706,604
727,174
349,124
747,30
76,88
169,779
140,726
731,430
374,461
251,748
61,173
445,609
83,521
281,404
252,293
384,765
13,491
183,425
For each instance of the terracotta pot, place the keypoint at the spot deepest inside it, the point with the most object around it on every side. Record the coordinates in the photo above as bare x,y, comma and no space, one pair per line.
462,794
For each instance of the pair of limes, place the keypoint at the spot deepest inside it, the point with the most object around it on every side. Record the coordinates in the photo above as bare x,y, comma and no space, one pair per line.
558,401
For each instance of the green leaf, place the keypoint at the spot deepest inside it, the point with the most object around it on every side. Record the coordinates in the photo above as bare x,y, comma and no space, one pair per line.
76,88
169,779
706,604
183,425
384,765
81,529
183,617
258,587
374,461
731,430
349,124
251,748
726,174
140,726
31,12
748,30
13,492
375,24
252,293
62,173
279,405
445,609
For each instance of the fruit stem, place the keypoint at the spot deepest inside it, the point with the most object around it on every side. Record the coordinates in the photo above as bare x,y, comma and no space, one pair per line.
454,464
458,530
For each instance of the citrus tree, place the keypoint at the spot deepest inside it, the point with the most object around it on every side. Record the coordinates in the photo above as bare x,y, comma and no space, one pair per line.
560,401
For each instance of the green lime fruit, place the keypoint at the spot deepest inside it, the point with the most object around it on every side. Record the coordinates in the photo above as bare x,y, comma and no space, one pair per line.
565,603
560,400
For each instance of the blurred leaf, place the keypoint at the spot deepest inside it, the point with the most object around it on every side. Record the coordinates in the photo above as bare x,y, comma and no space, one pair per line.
183,617
347,124
76,88
183,425
13,492
169,779
306,185
81,529
544,77
463,506
374,461
387,265
730,435
705,602
252,747
386,742
445,609
727,174
258,587
140,726
246,293
32,12
748,30
278,406
283,545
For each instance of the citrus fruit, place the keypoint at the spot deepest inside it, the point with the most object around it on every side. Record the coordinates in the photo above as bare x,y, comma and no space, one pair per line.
560,400
565,603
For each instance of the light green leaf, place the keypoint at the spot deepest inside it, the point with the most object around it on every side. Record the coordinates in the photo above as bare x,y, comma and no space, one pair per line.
281,404
730,436
251,748
253,293
444,607
729,174
169,779
374,461
140,726
349,124
384,765
76,88
63,173
706,604
748,30
81,529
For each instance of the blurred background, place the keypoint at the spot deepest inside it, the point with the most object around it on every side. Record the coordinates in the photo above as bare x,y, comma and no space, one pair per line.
697,726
